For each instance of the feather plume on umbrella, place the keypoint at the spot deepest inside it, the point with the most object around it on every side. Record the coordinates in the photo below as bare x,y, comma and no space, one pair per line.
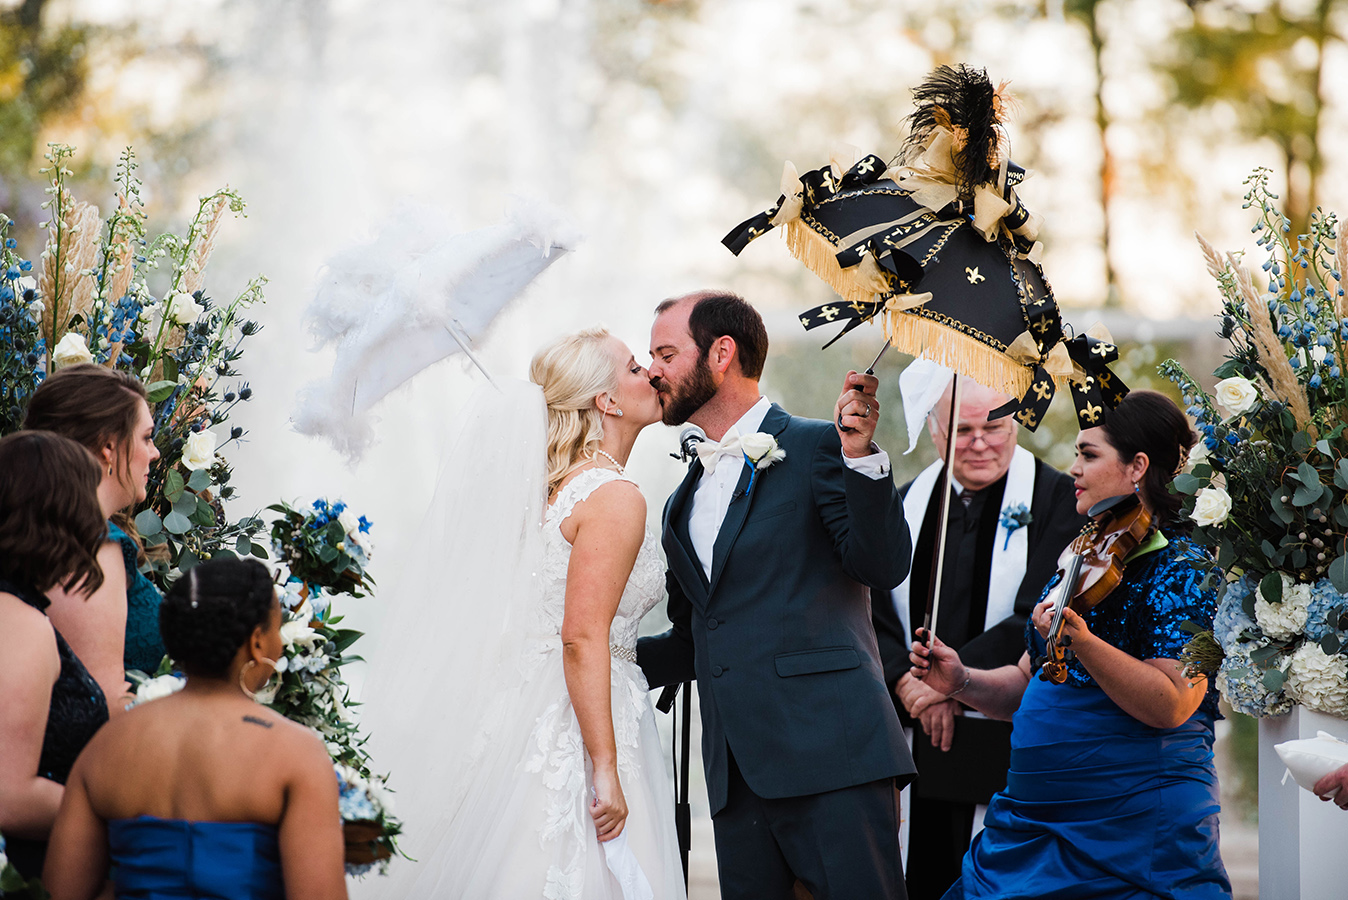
938,246
416,294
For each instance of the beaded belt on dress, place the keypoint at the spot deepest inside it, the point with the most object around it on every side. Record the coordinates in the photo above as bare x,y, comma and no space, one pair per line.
627,653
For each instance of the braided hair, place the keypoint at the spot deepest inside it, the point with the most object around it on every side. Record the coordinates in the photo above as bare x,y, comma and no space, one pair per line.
212,611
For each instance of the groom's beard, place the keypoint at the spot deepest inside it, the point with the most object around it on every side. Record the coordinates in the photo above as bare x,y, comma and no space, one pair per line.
679,402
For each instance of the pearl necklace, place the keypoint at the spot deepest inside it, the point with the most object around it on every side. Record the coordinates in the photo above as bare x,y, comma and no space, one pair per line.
618,465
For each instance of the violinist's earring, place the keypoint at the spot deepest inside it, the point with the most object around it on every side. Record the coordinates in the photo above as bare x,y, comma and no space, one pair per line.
1136,488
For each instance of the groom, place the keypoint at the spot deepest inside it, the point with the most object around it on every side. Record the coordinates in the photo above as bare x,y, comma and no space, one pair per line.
769,576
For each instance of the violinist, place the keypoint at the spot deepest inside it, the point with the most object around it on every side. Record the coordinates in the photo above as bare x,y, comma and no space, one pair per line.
1111,790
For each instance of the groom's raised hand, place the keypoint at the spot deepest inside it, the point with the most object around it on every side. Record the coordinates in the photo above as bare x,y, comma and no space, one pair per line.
858,411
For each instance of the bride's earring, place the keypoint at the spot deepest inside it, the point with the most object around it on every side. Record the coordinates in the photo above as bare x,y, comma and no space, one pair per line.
244,671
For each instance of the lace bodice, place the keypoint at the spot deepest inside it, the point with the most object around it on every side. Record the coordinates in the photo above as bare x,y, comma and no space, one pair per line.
644,588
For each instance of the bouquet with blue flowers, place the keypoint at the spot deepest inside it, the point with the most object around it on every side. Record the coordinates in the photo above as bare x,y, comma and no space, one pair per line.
1267,484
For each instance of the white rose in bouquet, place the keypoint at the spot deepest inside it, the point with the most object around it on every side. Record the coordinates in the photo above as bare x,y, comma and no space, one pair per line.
71,350
1318,680
183,309
157,688
199,450
1198,454
1287,618
1211,507
297,632
1235,395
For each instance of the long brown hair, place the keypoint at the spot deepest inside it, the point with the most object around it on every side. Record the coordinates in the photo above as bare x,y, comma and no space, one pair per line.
51,526
91,405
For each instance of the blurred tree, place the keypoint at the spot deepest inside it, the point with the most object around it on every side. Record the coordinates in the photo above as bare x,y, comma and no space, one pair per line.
1267,65
42,73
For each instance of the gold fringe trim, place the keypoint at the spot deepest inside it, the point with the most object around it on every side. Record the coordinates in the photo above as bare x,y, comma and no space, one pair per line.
990,367
820,256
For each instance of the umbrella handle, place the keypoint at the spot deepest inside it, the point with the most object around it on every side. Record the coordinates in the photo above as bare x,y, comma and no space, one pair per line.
869,371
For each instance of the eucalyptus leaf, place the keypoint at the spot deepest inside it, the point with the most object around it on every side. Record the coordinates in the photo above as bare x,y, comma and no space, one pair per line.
1341,514
186,503
199,480
223,553
1187,483
148,523
173,485
1341,474
1281,509
1299,558
159,391
177,523
1273,680
243,546
1323,446
1271,587
1308,493
203,515
187,560
259,551
1263,656
1269,550
1330,644
1301,442
1307,473
1338,573
327,553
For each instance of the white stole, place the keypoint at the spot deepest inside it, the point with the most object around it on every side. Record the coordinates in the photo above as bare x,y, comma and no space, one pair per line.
1009,557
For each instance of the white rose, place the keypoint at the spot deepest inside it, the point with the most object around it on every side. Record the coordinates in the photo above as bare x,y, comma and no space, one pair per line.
182,309
1288,618
297,632
1212,506
757,445
159,687
1235,395
199,450
349,521
1198,454
71,350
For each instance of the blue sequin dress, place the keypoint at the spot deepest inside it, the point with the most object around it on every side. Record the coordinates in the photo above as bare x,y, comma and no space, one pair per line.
1098,804
144,648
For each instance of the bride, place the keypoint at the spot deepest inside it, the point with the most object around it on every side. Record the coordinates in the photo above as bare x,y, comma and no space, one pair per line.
506,700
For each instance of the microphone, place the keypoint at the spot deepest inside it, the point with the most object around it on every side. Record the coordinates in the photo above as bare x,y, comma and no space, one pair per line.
689,438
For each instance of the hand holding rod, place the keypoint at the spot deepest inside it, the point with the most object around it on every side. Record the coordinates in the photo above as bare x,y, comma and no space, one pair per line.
869,371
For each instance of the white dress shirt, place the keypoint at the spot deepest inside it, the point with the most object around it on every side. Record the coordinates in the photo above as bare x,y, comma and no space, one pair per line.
716,487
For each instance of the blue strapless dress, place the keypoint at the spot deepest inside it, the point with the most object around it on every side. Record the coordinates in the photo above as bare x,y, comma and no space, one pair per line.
171,859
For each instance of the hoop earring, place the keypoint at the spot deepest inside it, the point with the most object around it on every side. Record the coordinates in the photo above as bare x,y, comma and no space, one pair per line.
252,662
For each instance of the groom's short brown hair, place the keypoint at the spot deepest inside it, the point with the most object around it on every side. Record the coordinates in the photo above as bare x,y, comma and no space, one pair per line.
718,314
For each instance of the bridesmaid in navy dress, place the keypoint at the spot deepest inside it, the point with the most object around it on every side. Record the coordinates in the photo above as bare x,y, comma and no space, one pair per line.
50,529
205,793
1112,791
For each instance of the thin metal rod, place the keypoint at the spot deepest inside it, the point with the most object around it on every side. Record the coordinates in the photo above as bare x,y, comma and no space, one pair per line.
455,331
938,565
869,371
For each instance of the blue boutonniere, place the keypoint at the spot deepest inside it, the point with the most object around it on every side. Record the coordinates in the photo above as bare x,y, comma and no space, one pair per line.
1014,517
760,451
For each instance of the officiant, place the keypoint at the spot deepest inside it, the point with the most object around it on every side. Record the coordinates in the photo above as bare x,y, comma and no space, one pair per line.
1009,519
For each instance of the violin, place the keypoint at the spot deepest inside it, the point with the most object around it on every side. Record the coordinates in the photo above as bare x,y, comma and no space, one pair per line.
1091,568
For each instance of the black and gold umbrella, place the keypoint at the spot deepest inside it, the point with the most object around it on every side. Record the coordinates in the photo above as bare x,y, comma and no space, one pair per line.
938,246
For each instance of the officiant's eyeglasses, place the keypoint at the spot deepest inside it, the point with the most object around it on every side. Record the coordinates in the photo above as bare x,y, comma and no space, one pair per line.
994,435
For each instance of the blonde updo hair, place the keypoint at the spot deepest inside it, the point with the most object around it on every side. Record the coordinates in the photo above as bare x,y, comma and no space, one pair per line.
572,371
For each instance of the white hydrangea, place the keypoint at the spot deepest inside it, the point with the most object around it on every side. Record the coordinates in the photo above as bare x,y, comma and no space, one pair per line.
156,688
1319,680
1287,618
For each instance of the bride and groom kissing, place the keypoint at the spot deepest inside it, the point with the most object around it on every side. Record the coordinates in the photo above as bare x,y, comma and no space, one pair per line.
553,784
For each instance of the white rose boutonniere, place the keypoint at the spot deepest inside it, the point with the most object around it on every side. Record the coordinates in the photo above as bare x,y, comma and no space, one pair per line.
1211,507
1236,395
199,450
71,350
761,450
183,309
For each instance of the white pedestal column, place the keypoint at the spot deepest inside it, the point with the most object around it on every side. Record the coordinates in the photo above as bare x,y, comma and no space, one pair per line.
1303,841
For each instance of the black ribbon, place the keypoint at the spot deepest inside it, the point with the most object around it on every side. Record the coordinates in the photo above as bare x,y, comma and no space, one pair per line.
1045,325
852,313
1102,390
817,186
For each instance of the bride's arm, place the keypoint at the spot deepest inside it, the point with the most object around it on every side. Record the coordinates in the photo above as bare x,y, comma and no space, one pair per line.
608,529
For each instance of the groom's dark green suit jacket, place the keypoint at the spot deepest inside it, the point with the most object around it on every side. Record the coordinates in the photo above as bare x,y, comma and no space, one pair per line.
780,639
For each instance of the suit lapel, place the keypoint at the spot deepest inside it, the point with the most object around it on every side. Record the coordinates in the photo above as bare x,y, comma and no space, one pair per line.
678,548
774,423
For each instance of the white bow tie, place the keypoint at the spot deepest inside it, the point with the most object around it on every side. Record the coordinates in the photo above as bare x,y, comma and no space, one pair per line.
710,454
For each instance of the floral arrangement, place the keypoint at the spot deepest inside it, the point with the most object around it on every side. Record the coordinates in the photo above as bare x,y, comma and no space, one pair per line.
12,882
90,301
370,826
106,292
1267,484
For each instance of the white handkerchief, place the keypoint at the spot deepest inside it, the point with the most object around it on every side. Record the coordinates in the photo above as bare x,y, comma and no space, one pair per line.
622,862
1310,759
920,386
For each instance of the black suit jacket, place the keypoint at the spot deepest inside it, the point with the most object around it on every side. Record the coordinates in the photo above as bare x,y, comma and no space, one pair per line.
780,638
1054,523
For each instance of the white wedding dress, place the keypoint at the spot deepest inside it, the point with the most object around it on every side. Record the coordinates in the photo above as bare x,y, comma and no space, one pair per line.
503,811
